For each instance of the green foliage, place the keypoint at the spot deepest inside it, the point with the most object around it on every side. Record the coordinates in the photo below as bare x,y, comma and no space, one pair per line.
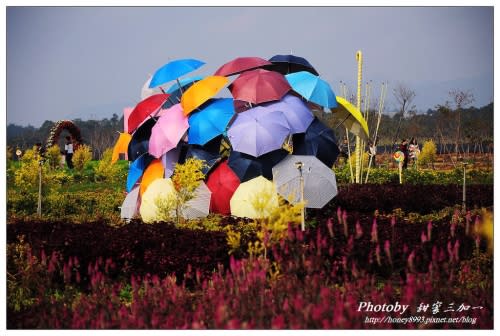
105,171
53,156
81,157
186,178
428,154
26,177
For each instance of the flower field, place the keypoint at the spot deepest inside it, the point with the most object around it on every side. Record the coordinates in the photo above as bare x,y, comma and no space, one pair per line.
411,247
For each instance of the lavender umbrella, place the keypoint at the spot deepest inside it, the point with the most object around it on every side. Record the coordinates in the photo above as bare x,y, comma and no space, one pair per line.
298,115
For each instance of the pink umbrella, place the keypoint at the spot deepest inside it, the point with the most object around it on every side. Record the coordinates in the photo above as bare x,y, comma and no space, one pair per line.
241,64
259,86
168,131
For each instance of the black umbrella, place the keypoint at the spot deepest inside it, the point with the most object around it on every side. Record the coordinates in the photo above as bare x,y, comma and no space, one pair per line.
139,144
286,64
206,154
318,140
247,166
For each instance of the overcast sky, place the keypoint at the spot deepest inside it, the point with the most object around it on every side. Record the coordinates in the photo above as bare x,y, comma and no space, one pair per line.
91,62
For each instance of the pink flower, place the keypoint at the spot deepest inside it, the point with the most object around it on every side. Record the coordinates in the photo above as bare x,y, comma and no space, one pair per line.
359,230
374,231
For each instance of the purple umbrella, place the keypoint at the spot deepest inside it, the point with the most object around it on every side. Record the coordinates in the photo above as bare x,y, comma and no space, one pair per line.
259,130
298,115
169,159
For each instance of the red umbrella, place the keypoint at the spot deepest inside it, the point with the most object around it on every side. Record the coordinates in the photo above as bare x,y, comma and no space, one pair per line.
241,64
259,86
144,109
222,182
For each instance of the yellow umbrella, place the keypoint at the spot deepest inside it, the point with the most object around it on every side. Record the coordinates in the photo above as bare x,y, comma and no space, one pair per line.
347,114
160,190
256,198
201,91
154,171
120,146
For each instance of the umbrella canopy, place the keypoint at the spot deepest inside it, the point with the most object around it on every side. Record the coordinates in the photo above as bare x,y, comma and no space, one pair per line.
199,205
154,171
319,140
348,115
121,146
161,190
201,153
173,70
258,131
259,86
126,114
168,131
146,108
146,91
298,115
202,91
211,121
312,88
130,205
256,198
139,143
247,167
286,64
222,182
176,92
320,185
169,159
136,169
241,64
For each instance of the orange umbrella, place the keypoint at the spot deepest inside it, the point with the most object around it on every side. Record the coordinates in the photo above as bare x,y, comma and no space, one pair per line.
154,171
120,146
202,91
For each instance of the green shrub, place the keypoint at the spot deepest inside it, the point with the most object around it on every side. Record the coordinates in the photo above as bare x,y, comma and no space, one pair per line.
53,156
104,170
428,154
81,157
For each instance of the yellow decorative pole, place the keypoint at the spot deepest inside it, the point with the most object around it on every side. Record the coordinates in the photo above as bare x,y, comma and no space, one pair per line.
358,153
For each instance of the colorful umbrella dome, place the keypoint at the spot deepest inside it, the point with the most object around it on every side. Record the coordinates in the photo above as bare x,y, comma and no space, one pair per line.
249,138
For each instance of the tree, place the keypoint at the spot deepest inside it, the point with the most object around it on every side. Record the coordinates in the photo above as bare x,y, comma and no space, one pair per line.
404,97
461,99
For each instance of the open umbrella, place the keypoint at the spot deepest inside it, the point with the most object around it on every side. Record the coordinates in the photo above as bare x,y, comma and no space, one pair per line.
146,108
199,205
176,92
211,121
319,140
202,91
312,88
347,114
130,205
258,130
139,143
201,153
222,182
160,190
259,86
146,91
319,181
241,64
169,159
173,70
298,115
121,146
153,171
247,167
168,131
136,170
256,198
286,64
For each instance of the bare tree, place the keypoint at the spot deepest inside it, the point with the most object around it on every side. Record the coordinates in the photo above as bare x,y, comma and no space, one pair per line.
404,97
461,99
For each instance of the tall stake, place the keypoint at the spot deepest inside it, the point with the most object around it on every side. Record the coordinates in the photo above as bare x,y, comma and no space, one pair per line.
358,153
39,207
380,109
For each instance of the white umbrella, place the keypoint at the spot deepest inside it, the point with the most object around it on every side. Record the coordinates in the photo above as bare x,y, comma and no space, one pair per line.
199,206
319,182
130,206
159,190
255,198
146,91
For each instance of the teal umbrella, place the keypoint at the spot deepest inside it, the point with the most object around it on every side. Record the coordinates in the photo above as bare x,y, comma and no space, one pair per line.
312,88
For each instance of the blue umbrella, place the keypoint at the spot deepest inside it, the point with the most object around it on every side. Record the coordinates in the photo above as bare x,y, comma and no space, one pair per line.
139,144
319,140
136,169
312,88
298,115
173,70
246,167
211,121
211,158
286,64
